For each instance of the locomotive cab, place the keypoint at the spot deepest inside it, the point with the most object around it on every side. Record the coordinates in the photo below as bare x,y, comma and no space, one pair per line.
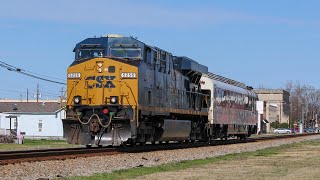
103,91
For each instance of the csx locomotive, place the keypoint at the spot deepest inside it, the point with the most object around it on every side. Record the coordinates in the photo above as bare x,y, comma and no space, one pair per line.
122,91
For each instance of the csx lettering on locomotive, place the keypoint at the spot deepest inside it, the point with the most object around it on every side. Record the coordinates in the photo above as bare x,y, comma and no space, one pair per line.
100,79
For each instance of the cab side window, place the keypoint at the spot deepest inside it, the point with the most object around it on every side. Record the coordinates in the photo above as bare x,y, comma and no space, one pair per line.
148,56
155,57
170,64
163,61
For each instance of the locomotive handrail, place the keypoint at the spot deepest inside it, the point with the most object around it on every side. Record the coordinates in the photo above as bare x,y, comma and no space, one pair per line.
134,98
73,87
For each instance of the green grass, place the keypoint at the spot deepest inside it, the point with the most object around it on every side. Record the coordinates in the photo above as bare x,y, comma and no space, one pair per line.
36,144
43,142
141,171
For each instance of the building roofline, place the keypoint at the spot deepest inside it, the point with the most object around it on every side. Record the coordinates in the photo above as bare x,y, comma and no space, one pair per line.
31,101
42,113
30,113
270,91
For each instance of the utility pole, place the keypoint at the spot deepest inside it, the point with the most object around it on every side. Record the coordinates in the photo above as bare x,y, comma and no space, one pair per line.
61,98
316,125
38,92
27,95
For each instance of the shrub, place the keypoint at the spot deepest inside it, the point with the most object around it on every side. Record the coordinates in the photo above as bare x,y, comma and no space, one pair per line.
275,124
284,125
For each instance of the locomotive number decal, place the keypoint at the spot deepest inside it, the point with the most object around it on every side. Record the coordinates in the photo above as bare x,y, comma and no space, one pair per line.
128,75
99,79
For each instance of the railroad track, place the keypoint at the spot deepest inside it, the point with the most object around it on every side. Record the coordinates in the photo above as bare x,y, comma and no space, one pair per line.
13,157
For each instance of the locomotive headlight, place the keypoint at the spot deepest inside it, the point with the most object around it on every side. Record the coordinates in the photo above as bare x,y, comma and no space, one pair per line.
77,99
114,99
99,64
74,75
100,70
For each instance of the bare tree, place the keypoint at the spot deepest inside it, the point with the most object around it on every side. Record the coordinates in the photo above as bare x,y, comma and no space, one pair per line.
305,103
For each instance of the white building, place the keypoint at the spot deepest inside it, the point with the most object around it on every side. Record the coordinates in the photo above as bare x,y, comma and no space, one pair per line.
34,119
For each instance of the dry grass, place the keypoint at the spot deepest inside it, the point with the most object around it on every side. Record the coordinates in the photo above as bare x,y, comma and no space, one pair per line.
300,161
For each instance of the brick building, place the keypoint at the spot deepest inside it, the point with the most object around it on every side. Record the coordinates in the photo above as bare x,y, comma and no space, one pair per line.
276,105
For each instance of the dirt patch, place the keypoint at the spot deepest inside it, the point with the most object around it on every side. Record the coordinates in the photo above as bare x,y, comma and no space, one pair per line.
301,162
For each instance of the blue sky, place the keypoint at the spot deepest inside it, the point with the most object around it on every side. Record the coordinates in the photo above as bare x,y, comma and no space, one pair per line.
260,43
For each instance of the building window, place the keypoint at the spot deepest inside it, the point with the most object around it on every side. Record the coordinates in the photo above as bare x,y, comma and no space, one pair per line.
40,126
15,124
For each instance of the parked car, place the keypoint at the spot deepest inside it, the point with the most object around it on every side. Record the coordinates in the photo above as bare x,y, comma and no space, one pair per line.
310,130
282,131
294,130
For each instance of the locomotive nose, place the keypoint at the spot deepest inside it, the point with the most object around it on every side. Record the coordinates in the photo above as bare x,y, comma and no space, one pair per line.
102,81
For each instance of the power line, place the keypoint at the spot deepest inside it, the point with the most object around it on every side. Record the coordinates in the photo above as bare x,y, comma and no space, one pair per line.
44,75
313,89
23,92
13,91
45,92
28,73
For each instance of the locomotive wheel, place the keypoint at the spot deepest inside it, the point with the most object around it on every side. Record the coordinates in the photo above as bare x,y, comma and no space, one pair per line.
224,138
243,137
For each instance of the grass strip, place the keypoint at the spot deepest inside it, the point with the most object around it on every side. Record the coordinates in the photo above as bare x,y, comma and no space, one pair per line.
142,171
37,144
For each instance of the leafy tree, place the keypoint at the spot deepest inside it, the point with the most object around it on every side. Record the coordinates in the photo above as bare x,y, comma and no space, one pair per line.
275,124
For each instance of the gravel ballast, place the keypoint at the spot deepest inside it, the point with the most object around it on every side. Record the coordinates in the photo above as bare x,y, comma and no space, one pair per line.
100,164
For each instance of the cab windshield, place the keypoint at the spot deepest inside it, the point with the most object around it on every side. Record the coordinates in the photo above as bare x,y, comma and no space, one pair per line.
124,52
90,53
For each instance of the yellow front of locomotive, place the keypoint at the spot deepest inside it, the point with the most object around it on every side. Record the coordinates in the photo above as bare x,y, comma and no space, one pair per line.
101,82
102,97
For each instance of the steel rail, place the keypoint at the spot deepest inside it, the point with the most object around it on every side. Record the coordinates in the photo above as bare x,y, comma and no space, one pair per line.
12,157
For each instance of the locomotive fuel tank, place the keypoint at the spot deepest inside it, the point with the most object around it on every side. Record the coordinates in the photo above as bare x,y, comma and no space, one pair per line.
174,130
